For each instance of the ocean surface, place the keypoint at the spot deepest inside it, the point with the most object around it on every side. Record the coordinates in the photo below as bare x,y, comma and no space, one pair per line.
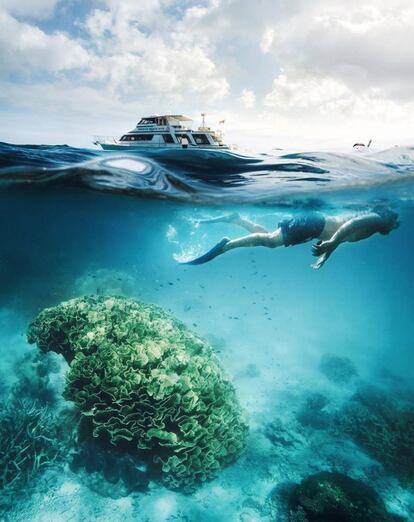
322,361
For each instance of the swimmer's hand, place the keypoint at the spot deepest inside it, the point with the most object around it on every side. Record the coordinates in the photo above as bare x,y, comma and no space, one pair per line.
323,250
321,247
320,261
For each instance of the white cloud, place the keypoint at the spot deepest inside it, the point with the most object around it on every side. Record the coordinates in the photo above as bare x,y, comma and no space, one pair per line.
139,49
362,44
332,100
267,40
305,93
36,9
248,98
25,48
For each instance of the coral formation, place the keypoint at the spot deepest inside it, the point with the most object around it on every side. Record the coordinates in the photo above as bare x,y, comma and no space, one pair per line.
383,427
147,383
328,497
339,370
312,413
33,377
3,386
28,444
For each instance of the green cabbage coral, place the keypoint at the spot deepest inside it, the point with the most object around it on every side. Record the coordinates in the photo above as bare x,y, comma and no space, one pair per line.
142,377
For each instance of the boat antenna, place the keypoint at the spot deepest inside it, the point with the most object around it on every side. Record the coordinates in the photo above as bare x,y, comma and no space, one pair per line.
203,123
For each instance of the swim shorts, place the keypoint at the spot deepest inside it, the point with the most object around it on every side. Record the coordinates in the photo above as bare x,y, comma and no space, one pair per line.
301,229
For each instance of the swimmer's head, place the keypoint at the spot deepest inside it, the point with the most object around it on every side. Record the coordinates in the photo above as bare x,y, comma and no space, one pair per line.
389,217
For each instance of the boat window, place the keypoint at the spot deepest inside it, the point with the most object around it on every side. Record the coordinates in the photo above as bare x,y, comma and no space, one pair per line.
168,138
147,121
124,138
141,137
181,136
201,139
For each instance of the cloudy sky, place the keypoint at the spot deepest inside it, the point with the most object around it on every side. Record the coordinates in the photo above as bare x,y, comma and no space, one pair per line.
290,73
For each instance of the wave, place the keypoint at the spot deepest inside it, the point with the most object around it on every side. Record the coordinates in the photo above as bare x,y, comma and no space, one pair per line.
212,175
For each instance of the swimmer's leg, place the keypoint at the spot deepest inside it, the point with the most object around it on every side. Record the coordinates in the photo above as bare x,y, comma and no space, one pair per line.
269,240
235,219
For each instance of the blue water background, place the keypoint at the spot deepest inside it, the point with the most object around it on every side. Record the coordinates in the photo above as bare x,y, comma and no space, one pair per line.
63,223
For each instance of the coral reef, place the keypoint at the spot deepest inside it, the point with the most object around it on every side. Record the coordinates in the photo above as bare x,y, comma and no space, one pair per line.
383,427
33,377
334,497
146,383
339,370
312,413
29,443
3,386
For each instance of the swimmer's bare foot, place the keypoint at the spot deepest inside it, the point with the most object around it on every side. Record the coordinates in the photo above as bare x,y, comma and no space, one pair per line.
211,254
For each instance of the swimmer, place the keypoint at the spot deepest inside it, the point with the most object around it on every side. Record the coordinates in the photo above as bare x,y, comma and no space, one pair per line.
330,231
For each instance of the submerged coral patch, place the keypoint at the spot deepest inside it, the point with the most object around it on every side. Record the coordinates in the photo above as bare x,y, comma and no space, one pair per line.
339,370
334,497
144,380
383,427
29,443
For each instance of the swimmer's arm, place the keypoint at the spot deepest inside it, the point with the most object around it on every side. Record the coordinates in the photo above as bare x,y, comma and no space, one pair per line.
355,229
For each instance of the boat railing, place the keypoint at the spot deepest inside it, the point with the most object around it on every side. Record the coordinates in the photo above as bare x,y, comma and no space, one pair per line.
110,140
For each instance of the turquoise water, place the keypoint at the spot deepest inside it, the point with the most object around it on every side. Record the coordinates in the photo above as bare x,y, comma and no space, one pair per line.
276,325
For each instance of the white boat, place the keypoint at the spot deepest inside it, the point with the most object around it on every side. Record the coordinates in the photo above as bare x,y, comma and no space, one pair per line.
171,131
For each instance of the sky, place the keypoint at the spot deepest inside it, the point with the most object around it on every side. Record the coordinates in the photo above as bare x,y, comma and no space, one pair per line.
283,73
